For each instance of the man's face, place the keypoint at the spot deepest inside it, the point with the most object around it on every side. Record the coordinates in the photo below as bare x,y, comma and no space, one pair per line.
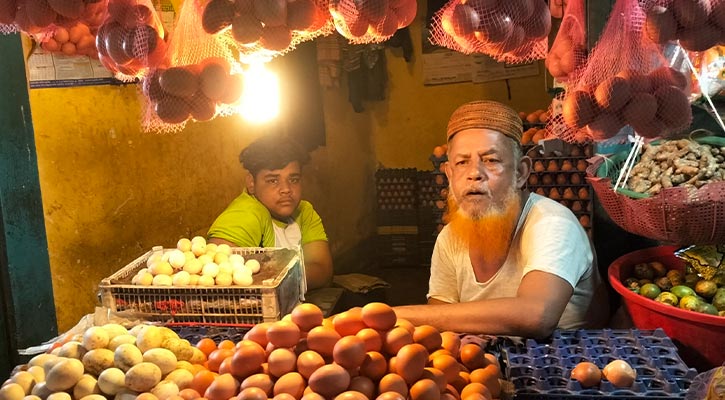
481,170
280,190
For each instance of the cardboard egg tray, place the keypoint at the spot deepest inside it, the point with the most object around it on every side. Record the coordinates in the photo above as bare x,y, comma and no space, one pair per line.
542,370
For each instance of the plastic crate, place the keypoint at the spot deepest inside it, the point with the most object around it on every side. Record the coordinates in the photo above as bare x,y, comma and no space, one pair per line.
276,290
542,369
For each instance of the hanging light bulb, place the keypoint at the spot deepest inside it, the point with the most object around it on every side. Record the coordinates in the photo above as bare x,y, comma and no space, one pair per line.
260,98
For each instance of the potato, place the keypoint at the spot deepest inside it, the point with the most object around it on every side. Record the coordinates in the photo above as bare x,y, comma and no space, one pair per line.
181,377
142,377
25,379
41,390
149,337
40,360
114,330
126,394
112,381
165,389
12,391
97,360
38,373
59,396
64,375
72,350
119,340
94,397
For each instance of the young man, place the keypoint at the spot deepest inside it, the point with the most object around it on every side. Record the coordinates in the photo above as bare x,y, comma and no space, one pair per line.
520,262
271,212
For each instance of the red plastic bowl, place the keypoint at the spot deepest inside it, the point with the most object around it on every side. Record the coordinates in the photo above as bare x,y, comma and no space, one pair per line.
700,338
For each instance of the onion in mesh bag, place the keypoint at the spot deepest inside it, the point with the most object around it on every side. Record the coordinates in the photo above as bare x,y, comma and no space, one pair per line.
698,24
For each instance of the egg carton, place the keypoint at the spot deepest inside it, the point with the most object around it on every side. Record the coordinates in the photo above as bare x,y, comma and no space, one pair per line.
542,370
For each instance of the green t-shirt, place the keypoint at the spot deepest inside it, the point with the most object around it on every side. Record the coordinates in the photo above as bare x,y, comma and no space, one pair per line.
247,223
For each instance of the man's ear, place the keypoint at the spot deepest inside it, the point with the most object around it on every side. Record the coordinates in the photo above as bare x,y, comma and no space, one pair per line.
446,167
523,170
249,181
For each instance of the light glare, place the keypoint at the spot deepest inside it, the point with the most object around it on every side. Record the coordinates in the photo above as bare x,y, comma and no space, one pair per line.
260,98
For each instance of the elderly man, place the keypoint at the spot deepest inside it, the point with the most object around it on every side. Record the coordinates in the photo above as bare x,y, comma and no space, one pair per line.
509,262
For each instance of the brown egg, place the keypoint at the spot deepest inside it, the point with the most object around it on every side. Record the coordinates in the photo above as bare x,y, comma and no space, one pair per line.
475,388
308,362
217,15
68,48
488,376
258,334
252,393
246,29
579,109
661,25
50,45
374,366
587,373
364,385
448,365
276,38
411,360
379,316
425,389
329,380
281,361
371,338
471,356
351,395
404,323
390,396
284,396
436,376
281,333
349,352
605,126
172,110
393,383
583,193
452,391
191,394
222,388
619,373
451,341
666,76
322,340
291,383
428,336
349,322
613,94
637,81
300,14
310,395
395,339
261,381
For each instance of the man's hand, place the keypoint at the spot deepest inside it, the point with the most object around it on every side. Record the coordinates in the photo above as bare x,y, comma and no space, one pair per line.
318,264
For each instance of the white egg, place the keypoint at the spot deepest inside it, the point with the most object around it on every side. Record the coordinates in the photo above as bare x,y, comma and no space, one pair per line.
165,256
242,279
210,269
198,239
184,244
211,248
198,248
224,248
162,280
189,255
236,258
146,279
223,279
242,269
161,268
205,259
225,268
181,278
205,280
253,265
154,258
220,257
194,279
193,266
177,258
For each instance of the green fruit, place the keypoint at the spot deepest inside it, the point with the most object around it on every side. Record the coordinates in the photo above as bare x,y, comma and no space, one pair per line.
650,290
719,299
707,308
705,288
667,298
682,291
690,302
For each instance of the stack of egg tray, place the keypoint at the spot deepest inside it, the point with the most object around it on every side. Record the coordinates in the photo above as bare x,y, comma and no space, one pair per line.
397,196
542,370
433,191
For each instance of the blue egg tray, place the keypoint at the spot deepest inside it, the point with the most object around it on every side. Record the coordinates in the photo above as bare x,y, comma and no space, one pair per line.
542,370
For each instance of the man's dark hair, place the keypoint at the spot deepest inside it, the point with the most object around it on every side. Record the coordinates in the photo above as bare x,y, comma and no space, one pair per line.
272,152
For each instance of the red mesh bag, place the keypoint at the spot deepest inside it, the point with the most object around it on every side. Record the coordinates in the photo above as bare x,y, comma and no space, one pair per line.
266,28
679,215
697,24
75,32
131,39
513,31
8,9
200,78
569,50
626,81
371,21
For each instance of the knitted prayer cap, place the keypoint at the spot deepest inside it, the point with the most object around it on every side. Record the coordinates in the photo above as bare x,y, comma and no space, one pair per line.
489,115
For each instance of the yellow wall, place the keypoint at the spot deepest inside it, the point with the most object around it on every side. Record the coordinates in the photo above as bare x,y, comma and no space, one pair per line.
111,191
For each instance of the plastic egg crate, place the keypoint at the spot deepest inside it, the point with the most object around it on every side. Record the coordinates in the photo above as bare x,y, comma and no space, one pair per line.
542,370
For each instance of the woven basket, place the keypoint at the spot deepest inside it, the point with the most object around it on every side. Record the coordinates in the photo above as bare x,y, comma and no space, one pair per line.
676,215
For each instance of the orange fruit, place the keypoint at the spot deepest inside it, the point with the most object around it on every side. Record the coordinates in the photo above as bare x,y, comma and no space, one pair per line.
202,380
206,345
